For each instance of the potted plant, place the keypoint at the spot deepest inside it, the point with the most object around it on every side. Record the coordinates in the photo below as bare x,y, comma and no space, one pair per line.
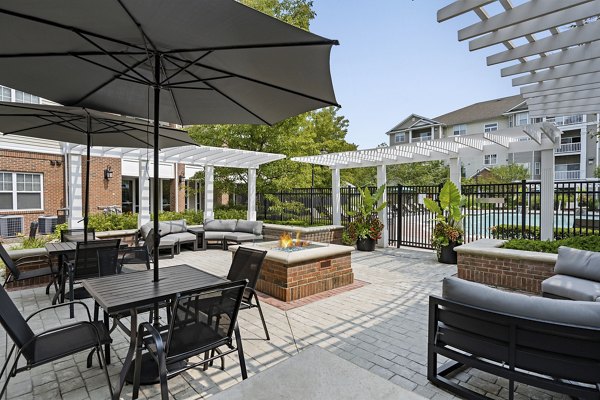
448,231
366,227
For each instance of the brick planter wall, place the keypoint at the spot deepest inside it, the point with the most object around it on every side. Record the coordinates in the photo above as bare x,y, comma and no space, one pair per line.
483,262
325,234
39,281
293,282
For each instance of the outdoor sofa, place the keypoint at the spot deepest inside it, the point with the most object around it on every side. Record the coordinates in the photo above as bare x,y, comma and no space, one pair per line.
173,234
225,231
577,276
547,343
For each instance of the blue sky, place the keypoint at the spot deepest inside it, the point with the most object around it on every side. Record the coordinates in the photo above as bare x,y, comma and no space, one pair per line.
395,59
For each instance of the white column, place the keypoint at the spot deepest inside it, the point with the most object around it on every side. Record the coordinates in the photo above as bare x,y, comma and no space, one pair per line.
251,194
433,133
209,192
410,136
547,195
383,214
143,198
336,196
75,191
455,171
177,186
583,154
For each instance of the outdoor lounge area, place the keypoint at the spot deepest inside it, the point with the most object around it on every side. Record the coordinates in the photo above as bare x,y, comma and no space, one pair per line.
380,327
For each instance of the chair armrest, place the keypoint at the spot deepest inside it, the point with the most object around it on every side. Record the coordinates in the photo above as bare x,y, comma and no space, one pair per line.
196,230
68,303
154,334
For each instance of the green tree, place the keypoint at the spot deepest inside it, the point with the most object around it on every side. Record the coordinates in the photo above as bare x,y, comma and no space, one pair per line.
505,174
423,173
294,12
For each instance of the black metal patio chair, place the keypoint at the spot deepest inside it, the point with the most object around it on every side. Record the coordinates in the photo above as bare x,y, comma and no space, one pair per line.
136,258
76,235
85,265
247,264
203,321
15,274
50,345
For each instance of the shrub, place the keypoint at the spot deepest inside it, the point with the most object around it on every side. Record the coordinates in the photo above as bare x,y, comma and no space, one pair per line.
231,213
31,243
191,217
508,232
112,222
591,243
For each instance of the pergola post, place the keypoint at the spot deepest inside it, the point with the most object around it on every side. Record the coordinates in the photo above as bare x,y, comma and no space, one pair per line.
76,191
454,163
209,192
336,196
143,198
383,214
547,195
251,194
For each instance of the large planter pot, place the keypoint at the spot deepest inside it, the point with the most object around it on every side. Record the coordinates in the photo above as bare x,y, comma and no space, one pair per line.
447,255
365,244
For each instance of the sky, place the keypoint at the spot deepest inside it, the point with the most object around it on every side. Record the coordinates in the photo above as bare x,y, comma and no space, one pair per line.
395,59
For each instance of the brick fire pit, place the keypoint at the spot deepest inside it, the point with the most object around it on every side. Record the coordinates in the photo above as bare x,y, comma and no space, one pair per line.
292,275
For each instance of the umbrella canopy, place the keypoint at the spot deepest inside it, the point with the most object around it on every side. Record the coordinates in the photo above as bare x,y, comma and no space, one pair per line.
83,126
184,61
70,124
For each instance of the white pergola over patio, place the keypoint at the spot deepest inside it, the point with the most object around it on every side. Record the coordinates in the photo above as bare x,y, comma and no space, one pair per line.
200,156
556,45
543,137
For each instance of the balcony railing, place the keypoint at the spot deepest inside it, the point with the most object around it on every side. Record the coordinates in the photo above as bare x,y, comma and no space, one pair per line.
421,138
566,175
568,148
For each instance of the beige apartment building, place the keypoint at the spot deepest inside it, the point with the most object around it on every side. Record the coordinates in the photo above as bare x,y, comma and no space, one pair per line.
576,157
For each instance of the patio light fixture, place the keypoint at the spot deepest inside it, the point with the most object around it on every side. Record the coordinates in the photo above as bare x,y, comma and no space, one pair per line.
108,173
182,178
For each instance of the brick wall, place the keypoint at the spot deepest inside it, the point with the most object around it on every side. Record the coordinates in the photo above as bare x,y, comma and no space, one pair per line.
53,180
293,282
103,192
178,190
511,273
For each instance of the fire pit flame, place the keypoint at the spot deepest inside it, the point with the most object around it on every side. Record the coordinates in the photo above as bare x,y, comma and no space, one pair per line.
286,242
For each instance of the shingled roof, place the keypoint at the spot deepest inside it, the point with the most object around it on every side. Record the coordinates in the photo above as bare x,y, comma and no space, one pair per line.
485,110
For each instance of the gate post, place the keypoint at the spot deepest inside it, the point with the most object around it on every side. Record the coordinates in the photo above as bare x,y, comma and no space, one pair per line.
523,211
399,218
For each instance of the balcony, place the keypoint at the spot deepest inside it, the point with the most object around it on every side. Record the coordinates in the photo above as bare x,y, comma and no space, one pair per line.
422,138
567,175
565,148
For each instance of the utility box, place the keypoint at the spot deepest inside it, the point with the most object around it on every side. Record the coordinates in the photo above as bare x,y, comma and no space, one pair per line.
11,225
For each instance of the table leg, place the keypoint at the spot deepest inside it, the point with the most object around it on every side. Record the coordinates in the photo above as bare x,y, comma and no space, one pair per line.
130,353
107,346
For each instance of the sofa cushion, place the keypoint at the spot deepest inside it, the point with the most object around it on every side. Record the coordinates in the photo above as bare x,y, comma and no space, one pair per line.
242,237
572,288
220,225
254,227
168,241
214,235
579,263
183,237
145,229
583,313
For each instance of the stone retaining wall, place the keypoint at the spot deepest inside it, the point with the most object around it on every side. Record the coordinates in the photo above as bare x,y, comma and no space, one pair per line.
482,261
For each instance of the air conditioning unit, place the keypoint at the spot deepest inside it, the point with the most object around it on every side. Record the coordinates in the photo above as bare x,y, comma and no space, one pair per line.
11,225
47,223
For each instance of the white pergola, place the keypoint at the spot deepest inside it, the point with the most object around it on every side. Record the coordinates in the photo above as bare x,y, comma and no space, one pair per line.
543,137
201,156
554,47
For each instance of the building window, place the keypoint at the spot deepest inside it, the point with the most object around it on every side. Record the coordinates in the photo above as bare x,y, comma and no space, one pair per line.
490,159
537,120
5,94
537,169
20,191
460,129
400,137
521,118
491,127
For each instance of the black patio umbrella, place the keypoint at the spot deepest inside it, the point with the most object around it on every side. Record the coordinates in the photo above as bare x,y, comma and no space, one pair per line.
182,61
82,126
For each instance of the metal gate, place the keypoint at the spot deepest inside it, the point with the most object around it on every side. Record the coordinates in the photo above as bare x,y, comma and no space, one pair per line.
409,222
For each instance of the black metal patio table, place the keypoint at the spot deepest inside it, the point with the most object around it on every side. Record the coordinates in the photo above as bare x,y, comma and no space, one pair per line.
128,292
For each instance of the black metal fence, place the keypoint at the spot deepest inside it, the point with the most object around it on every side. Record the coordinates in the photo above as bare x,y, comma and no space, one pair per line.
503,211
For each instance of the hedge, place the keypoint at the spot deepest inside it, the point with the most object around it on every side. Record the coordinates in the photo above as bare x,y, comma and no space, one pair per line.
591,243
508,232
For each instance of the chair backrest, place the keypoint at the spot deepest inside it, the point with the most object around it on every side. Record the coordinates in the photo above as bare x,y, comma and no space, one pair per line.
9,262
203,318
33,229
76,235
86,257
149,242
108,261
13,323
136,255
246,264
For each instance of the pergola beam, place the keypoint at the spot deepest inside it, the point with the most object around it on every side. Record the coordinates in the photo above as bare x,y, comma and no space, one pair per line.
573,69
568,82
588,94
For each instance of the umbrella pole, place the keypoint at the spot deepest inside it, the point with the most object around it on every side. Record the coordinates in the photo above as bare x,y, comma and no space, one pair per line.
155,194
87,180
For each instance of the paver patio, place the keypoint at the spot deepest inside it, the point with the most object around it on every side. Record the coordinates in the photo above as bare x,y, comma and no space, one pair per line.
381,327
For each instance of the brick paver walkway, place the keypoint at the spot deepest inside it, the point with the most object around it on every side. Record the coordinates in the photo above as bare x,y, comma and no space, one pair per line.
381,327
